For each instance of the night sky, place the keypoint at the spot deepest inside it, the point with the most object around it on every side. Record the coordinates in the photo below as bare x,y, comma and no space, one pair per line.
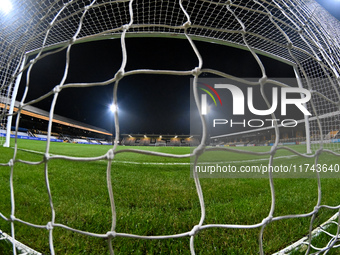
156,104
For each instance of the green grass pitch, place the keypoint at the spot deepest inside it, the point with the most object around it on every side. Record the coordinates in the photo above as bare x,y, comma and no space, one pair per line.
154,199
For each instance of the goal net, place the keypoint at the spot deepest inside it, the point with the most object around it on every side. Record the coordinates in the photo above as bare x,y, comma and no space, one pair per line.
297,33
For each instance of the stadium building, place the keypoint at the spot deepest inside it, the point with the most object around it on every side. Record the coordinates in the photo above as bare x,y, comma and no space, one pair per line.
262,137
158,140
34,125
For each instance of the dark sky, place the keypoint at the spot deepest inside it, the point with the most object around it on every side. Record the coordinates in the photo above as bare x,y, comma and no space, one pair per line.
147,103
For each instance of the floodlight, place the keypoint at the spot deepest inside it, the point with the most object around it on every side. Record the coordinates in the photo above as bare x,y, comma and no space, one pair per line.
5,6
113,108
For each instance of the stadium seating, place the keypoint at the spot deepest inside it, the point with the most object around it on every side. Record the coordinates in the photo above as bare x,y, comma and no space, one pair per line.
160,142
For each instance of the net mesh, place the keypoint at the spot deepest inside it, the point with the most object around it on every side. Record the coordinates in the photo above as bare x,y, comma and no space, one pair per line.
299,33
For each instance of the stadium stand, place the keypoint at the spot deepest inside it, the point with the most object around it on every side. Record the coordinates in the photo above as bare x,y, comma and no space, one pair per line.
34,123
94,141
158,140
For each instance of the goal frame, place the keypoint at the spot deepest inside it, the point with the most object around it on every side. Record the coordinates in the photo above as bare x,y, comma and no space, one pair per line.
93,38
13,98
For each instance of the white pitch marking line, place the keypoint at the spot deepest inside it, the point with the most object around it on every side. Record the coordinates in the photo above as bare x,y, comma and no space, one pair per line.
176,163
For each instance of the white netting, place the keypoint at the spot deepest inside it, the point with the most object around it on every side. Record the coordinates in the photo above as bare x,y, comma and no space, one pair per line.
299,33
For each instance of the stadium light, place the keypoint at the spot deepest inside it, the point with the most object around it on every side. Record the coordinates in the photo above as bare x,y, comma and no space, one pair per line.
5,6
113,108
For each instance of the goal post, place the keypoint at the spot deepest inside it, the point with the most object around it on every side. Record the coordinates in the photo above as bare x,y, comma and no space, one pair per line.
12,96
298,33
306,118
